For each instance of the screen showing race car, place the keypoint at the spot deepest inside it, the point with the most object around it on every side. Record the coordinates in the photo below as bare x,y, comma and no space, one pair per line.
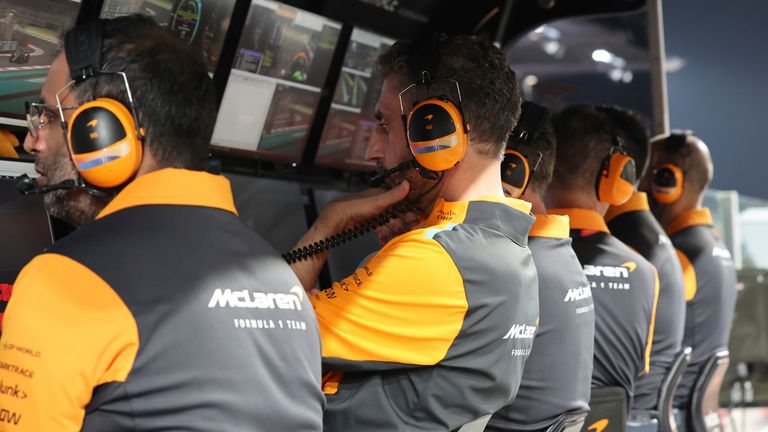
30,38
201,23
280,66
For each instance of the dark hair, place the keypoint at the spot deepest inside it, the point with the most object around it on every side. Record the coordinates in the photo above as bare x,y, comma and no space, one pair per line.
583,141
171,89
630,126
491,97
544,144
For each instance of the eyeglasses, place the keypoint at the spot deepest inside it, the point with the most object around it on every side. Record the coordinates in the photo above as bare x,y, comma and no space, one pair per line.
40,115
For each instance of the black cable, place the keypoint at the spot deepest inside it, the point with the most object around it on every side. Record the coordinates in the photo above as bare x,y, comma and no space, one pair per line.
305,252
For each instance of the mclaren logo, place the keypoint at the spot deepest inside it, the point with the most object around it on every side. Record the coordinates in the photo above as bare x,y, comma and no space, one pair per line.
521,331
576,294
257,300
621,271
719,252
598,426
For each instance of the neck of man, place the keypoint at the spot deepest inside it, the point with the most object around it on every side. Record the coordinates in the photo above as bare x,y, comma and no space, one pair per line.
536,200
560,196
666,214
148,163
475,176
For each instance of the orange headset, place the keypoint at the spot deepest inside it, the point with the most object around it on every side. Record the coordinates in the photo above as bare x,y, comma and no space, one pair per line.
668,178
104,136
435,128
515,170
615,182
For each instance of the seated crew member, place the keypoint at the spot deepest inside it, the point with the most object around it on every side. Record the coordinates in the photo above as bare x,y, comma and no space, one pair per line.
166,312
432,331
682,171
634,224
557,375
624,285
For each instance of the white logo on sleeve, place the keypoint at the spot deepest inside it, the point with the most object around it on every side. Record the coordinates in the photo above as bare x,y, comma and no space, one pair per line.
576,294
257,300
521,331
720,252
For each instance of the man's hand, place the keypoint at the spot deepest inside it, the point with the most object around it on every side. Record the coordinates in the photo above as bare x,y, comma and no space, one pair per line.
355,209
339,216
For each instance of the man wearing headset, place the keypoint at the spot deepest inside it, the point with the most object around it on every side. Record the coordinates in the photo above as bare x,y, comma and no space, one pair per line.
165,312
634,224
557,375
592,172
681,171
432,331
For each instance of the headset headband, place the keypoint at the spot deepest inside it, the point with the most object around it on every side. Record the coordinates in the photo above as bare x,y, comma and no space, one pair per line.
676,141
532,120
424,58
82,46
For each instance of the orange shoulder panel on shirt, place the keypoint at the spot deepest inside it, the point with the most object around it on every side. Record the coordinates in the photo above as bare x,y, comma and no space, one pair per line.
406,304
697,216
65,332
638,202
689,275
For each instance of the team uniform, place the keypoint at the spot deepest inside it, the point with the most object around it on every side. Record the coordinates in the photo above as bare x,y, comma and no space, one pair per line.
710,292
166,313
625,291
634,224
432,331
557,375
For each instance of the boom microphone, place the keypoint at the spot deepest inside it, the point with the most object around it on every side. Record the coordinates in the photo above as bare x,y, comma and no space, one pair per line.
377,179
28,186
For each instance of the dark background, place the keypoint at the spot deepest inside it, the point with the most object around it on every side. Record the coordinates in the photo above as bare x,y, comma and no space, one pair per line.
721,91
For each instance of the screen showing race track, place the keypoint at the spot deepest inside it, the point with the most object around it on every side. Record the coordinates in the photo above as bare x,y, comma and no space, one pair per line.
30,38
201,23
273,91
350,123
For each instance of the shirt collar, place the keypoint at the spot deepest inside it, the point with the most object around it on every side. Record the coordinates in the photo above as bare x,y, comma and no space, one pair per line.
583,219
173,186
638,202
550,226
699,216
456,211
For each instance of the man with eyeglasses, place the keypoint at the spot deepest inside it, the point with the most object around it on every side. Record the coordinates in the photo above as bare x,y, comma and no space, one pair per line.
45,140
165,312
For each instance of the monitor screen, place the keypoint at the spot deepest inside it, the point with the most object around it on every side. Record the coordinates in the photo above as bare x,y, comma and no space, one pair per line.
350,123
30,38
280,66
202,23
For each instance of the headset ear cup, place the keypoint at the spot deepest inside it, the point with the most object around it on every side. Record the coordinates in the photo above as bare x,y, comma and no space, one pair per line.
667,185
515,173
616,179
435,134
103,143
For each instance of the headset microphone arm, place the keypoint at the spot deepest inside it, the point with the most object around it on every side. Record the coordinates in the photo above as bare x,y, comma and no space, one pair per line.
377,179
29,186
